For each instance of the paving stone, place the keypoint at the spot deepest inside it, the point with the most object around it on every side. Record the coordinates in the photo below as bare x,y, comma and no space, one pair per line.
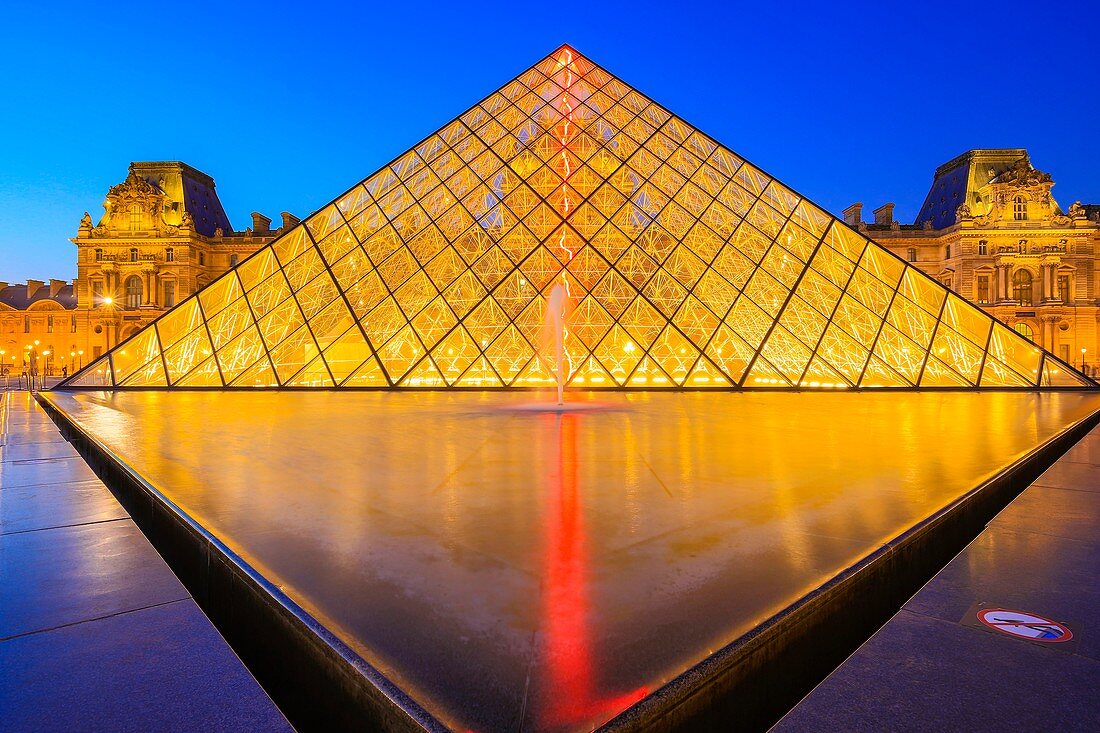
26,508
922,674
1070,475
46,471
61,576
158,669
1066,513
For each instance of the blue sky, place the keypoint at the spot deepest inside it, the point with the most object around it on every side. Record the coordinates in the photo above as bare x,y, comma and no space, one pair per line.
287,105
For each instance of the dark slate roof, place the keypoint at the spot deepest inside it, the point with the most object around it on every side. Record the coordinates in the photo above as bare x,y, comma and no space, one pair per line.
16,296
199,195
947,192
956,179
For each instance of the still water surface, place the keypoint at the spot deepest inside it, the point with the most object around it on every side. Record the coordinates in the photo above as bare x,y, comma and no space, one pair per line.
515,569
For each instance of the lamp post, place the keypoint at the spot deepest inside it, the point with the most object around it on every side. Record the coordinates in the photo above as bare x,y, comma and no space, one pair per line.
80,353
46,358
1083,350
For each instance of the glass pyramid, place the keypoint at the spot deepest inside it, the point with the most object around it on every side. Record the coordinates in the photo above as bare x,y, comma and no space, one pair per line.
684,266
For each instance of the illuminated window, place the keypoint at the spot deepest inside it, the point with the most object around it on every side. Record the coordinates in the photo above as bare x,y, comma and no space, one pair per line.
169,255
983,247
135,217
912,254
1019,208
1021,287
169,293
133,292
1024,330
983,288
1063,288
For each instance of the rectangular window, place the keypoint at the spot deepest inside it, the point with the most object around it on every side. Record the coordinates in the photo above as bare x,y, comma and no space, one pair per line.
26,324
169,294
983,247
1063,288
169,255
1063,351
49,324
97,351
983,288
947,252
97,294
73,317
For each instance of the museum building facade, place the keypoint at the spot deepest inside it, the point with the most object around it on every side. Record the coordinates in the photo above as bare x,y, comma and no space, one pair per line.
989,229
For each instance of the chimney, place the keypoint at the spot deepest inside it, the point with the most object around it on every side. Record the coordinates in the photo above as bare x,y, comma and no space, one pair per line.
260,224
32,287
853,215
55,287
289,220
884,214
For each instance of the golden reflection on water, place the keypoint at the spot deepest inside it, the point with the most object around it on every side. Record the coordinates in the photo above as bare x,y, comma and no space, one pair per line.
461,547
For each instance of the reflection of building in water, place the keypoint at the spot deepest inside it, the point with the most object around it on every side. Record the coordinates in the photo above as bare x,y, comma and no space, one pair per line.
990,230
163,235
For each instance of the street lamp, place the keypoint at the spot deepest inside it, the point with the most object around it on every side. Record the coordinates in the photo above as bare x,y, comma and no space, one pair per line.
1083,350
80,352
46,356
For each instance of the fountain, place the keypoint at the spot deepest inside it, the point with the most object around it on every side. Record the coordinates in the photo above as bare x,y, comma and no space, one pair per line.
555,319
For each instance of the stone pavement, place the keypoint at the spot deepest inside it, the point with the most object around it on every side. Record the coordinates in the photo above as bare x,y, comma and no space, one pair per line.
934,666
96,633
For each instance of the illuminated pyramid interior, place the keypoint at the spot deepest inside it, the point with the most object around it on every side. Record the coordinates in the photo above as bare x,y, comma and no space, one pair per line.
684,266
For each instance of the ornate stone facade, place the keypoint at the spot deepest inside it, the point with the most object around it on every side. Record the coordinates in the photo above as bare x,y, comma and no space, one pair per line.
163,235
991,230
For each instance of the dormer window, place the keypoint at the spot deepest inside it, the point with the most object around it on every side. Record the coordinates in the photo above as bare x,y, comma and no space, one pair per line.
1019,208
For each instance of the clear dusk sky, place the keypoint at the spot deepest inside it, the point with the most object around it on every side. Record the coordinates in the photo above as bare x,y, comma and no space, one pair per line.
287,105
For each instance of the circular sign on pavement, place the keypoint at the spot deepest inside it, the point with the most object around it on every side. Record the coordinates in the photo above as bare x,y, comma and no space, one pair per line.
1024,625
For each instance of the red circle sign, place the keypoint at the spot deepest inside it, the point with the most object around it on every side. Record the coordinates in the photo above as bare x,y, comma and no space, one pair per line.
1024,625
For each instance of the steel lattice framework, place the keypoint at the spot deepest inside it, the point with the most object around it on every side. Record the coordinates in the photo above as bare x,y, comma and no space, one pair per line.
685,266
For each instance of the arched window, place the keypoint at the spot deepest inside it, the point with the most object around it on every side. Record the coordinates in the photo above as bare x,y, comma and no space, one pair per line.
133,292
1019,208
1024,330
1021,287
135,217
912,254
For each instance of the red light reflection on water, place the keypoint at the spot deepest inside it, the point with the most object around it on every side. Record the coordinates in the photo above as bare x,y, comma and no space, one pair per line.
568,686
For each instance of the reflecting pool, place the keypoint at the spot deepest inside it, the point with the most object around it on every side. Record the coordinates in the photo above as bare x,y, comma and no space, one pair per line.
522,568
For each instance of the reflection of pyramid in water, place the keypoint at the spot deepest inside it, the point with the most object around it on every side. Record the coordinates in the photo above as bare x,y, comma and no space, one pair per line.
685,266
